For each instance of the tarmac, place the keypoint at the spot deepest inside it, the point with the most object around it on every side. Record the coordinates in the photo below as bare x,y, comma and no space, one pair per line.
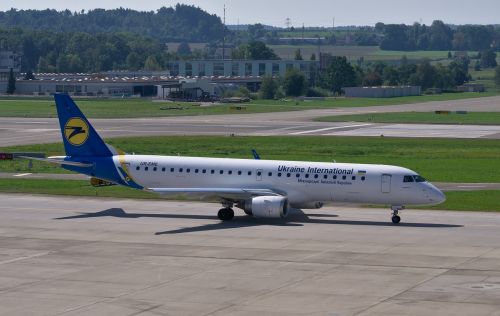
21,131
98,256
85,256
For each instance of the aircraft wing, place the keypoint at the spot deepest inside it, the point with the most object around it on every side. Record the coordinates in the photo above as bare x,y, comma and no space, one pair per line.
217,193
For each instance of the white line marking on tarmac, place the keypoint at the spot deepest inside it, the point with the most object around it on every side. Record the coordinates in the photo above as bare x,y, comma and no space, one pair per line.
24,258
471,186
22,175
328,129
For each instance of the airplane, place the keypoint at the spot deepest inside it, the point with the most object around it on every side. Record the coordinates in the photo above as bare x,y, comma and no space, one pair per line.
261,188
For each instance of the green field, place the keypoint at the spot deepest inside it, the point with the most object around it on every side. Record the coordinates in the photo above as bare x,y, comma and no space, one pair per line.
353,53
443,160
477,118
128,108
459,201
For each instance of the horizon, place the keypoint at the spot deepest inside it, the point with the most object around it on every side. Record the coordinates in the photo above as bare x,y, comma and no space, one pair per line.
338,13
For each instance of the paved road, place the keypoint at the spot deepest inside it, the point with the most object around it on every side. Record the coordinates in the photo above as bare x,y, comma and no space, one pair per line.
15,131
49,176
78,256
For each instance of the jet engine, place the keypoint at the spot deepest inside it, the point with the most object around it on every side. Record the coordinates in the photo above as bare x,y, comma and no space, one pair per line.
266,207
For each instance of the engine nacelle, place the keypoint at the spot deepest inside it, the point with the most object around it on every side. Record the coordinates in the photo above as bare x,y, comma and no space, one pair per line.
266,207
309,205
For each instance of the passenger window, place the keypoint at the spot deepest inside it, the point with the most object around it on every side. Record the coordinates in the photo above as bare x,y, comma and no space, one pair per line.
353,178
239,173
221,172
146,169
180,169
249,173
204,171
196,170
188,170
363,178
137,168
230,172
344,177
307,176
259,173
298,175
154,169
316,176
172,169
407,179
279,174
270,174
325,176
334,177
288,175
212,171
163,169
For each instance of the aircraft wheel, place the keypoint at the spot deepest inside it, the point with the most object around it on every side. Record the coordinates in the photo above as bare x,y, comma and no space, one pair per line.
225,214
396,219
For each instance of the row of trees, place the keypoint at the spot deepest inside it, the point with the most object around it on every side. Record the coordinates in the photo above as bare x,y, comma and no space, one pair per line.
341,73
182,22
437,36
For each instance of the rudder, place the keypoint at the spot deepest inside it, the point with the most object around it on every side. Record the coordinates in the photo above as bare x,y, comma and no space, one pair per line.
79,137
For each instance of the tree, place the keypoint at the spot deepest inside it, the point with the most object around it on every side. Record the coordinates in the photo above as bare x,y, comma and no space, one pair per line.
298,55
424,76
268,87
340,74
258,50
184,49
488,59
294,83
11,86
134,61
29,75
497,76
152,64
313,56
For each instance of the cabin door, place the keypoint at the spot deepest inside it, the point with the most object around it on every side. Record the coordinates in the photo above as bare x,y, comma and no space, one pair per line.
386,183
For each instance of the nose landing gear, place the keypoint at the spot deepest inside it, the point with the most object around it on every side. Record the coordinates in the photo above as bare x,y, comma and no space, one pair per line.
396,219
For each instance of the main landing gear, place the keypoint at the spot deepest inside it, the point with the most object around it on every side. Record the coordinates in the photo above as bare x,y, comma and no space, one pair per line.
226,213
395,214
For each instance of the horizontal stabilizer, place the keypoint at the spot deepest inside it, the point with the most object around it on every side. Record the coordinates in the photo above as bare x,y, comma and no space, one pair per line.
60,161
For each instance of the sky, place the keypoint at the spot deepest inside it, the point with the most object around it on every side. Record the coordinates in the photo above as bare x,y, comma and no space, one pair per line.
308,13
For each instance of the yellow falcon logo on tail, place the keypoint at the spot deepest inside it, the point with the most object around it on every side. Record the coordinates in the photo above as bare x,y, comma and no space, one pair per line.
76,131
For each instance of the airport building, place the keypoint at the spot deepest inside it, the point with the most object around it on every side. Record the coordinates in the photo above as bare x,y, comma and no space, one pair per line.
8,60
240,68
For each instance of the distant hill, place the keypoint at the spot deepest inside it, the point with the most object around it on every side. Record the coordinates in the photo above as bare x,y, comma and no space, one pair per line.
179,23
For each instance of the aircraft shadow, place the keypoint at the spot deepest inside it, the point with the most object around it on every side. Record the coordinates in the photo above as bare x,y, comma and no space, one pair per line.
296,218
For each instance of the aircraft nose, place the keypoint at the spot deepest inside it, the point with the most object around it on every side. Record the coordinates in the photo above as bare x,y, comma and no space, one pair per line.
436,196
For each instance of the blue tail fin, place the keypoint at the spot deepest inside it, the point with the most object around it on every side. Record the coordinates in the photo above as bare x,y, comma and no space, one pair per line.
79,137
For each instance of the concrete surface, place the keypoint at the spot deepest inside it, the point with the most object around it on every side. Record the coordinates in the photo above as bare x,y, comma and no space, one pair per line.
18,131
79,256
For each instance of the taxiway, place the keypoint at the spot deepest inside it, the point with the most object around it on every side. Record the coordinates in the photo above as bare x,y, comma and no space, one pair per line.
83,256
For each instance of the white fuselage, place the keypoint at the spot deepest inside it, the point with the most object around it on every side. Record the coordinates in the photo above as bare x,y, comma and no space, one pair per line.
300,182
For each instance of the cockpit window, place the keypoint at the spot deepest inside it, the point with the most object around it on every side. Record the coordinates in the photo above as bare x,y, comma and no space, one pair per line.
419,178
408,179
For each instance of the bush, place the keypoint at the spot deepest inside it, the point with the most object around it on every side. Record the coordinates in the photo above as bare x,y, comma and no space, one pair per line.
316,92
